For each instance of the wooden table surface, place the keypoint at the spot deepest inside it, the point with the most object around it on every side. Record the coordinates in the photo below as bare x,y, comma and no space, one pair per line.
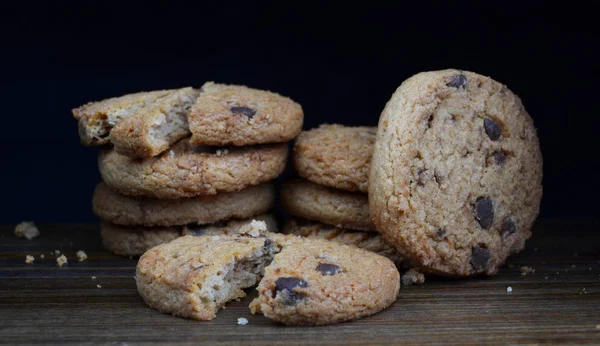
560,303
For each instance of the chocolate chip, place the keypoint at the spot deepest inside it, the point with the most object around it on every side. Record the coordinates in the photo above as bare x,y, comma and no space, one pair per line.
480,257
484,211
267,242
441,233
328,269
249,112
458,81
492,128
499,157
285,286
508,227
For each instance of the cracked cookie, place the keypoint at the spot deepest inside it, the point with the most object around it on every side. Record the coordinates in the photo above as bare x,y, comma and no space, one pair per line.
336,156
138,125
186,170
456,174
238,115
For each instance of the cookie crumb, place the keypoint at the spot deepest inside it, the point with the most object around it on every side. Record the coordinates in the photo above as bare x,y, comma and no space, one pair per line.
254,228
56,252
61,261
27,229
171,154
29,259
527,271
508,289
42,256
598,326
222,152
98,286
413,277
242,321
93,278
81,255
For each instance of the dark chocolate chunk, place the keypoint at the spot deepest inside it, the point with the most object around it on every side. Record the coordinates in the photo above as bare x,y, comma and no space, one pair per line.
499,157
484,211
458,81
328,269
508,227
249,112
285,287
492,128
441,233
480,257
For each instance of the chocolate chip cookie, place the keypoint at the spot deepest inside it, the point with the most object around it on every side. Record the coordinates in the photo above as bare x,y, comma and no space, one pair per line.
331,206
134,241
316,282
144,211
238,115
186,170
194,277
336,156
456,175
139,125
371,241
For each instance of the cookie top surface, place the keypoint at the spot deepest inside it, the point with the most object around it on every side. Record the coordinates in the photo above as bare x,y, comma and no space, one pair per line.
336,156
371,241
238,115
186,170
139,125
456,172
315,202
144,211
315,281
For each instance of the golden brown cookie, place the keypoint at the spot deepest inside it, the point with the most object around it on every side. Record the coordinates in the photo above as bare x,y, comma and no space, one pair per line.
238,115
187,171
336,156
456,175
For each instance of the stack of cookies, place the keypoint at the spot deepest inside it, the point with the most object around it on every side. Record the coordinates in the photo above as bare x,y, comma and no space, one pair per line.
186,161
331,201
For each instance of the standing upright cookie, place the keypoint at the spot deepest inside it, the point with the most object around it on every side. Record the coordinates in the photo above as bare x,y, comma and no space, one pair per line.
238,115
456,174
336,156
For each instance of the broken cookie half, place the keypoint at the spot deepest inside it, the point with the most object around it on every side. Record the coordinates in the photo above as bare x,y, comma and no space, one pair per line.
304,281
138,125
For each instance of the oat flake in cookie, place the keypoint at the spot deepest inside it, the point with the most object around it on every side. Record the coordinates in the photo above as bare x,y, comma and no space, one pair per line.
456,175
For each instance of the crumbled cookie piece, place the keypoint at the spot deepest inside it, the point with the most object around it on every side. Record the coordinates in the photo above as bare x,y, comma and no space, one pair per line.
42,256
81,255
98,286
509,289
61,261
93,278
527,271
254,228
222,152
27,229
29,259
56,252
412,277
242,321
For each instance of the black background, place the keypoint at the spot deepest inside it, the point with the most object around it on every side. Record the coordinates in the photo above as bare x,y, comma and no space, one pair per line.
341,62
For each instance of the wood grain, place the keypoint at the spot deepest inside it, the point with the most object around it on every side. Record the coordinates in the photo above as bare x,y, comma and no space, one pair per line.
560,303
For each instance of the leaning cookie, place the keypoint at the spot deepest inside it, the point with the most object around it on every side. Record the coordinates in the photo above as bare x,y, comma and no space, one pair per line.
456,175
316,282
319,203
134,241
187,171
139,125
371,241
336,156
195,277
149,212
238,115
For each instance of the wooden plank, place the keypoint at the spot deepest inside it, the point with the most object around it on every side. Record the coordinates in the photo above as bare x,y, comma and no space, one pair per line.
560,303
